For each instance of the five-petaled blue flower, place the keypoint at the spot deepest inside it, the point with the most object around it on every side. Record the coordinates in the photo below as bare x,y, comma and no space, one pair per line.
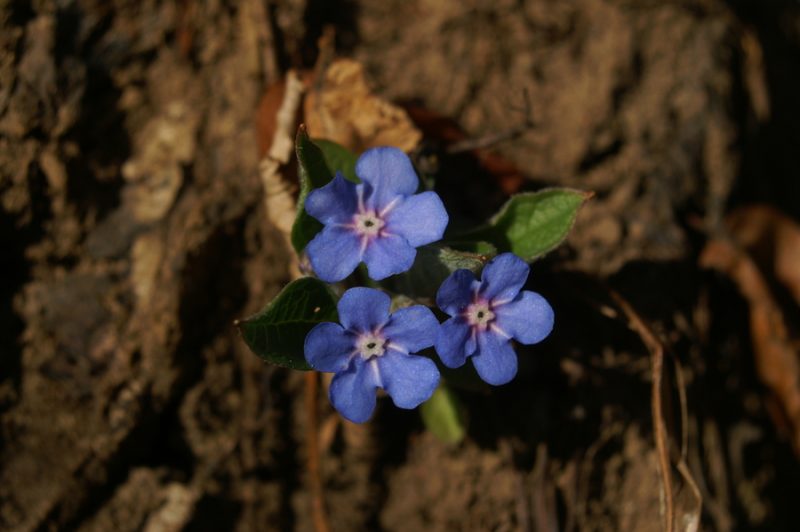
487,314
374,349
380,221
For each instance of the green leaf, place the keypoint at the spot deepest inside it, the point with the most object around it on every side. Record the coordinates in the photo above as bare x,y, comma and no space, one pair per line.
338,159
313,172
278,332
318,161
532,224
434,263
443,416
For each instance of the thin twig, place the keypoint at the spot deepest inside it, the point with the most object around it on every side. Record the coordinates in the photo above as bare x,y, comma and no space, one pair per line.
682,462
680,381
693,524
496,138
659,429
318,513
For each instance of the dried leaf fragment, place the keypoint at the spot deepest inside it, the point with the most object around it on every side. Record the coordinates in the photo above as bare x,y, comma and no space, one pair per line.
773,239
775,357
340,107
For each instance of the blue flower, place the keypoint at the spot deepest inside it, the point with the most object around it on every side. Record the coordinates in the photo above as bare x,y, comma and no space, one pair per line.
374,349
487,314
380,221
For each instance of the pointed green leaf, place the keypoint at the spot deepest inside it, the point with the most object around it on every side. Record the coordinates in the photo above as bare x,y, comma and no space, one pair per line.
278,332
317,163
338,159
443,415
532,224
313,172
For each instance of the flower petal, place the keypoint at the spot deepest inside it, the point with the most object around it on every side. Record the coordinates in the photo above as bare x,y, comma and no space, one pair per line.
529,318
389,172
336,202
334,253
456,292
412,328
388,255
454,343
495,361
328,347
352,391
408,379
363,309
503,277
421,219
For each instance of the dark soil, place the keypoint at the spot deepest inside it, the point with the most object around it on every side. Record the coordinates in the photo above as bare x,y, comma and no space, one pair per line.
134,233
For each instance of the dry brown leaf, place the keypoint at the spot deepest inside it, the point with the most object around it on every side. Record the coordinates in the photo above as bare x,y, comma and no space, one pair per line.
447,131
773,239
267,115
775,357
340,107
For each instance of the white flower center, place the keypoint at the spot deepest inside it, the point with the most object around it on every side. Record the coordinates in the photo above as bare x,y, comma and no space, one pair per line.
479,314
368,223
371,345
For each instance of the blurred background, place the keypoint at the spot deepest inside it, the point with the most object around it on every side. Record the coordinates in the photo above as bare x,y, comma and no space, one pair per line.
144,196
